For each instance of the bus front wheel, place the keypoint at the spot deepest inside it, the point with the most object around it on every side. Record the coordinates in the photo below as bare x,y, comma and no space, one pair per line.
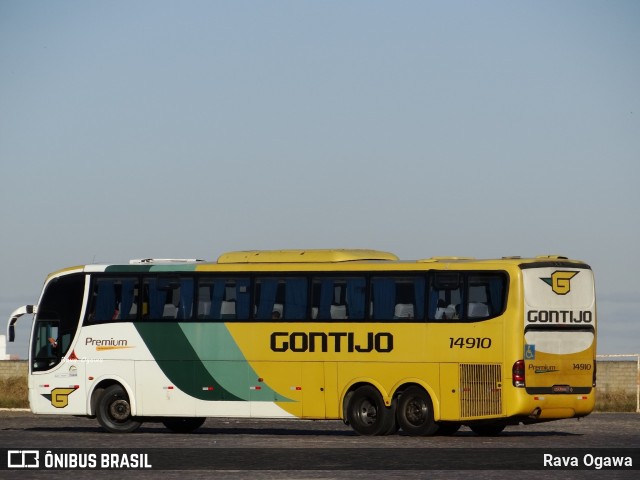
367,413
415,412
114,411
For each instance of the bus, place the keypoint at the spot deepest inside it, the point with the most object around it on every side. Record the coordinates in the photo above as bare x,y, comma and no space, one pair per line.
383,344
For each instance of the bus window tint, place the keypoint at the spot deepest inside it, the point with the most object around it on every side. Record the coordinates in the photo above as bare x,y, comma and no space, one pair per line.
397,298
280,298
486,295
44,353
445,296
113,299
338,298
223,298
168,298
466,296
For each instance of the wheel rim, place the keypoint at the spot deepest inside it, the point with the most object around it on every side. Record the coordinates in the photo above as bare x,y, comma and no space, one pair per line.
416,411
368,412
119,410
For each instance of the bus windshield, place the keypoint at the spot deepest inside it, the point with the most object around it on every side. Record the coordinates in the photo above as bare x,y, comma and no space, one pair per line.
56,321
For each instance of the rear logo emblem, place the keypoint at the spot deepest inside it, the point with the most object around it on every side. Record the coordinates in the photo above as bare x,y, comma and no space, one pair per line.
560,281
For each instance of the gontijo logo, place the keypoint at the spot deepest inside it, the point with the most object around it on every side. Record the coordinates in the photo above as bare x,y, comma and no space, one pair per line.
560,281
59,397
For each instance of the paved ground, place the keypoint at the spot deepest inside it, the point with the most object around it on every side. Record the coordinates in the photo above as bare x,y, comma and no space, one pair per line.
243,445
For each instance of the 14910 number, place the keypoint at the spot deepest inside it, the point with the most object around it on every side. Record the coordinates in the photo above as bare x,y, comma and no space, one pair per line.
470,342
582,366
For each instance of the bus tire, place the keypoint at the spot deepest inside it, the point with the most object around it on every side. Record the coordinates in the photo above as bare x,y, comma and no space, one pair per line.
183,424
114,411
367,413
487,429
415,412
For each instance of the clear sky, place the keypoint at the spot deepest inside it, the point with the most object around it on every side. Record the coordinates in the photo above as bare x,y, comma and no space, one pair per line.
133,129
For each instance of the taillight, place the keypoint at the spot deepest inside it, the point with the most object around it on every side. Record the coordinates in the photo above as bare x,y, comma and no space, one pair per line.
517,374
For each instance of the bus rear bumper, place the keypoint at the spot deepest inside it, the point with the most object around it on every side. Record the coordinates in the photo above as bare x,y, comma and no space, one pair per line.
556,413
556,407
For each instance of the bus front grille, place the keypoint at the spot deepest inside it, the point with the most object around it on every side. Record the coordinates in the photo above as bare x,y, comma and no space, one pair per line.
480,390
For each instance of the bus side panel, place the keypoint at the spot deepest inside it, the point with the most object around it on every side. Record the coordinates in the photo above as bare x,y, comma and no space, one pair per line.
273,382
450,395
157,395
333,407
61,391
313,390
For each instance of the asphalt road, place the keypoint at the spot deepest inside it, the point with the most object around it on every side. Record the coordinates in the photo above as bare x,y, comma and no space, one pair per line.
237,448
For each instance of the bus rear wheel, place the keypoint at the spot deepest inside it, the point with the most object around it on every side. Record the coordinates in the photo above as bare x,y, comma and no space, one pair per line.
114,411
415,412
367,413
183,425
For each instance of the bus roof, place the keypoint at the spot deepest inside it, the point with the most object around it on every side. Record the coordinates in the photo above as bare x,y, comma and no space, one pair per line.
305,256
322,259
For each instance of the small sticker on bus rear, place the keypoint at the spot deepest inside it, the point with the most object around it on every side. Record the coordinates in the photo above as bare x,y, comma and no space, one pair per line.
529,352
561,389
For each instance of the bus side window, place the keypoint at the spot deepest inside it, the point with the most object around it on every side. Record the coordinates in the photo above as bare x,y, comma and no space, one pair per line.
113,299
486,295
399,298
446,296
466,296
338,298
155,298
295,299
280,298
223,298
168,298
184,299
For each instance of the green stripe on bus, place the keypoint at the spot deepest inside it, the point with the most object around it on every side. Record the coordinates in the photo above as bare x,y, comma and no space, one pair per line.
216,347
180,363
203,360
173,268
127,268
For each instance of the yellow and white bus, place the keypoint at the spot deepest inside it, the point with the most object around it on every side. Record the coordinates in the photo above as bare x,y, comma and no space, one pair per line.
383,344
